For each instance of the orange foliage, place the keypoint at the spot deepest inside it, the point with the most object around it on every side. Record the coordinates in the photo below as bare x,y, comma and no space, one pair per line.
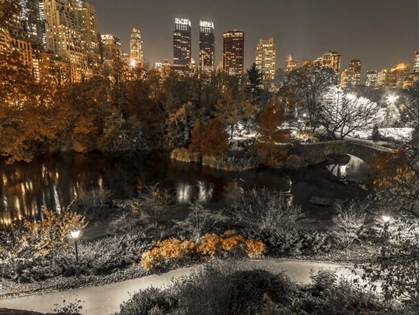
211,244
196,134
270,119
214,139
169,249
231,242
254,249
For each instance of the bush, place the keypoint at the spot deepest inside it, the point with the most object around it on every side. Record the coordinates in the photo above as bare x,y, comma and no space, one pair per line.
70,308
349,223
149,301
221,288
329,295
212,245
184,155
93,203
27,240
199,220
95,258
152,203
232,161
294,243
224,288
265,210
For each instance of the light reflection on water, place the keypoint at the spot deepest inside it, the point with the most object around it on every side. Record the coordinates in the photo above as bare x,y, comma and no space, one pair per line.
355,169
54,182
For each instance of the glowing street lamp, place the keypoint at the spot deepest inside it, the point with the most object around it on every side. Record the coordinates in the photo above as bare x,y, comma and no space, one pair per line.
386,218
391,99
75,235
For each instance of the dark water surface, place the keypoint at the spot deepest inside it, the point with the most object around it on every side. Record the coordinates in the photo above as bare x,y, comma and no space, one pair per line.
53,181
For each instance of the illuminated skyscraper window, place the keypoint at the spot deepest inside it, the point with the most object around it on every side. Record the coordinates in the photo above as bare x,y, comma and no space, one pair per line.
265,58
182,44
233,52
207,46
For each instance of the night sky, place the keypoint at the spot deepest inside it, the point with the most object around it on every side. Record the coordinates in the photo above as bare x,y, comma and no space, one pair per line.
381,33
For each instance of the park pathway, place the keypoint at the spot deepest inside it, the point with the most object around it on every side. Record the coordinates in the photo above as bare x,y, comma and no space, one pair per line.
105,300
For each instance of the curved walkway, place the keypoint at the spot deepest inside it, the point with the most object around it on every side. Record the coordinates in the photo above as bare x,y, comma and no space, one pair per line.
104,300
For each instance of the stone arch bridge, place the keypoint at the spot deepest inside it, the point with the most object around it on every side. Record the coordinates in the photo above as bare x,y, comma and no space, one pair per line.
315,153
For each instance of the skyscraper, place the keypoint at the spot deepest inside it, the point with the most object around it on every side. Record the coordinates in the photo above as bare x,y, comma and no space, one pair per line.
265,58
416,62
351,76
356,65
292,64
86,20
381,78
347,78
111,49
395,77
233,52
64,37
30,18
331,59
207,46
136,49
182,44
371,78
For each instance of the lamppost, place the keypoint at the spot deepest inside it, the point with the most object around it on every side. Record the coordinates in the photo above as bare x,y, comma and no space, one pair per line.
75,235
385,235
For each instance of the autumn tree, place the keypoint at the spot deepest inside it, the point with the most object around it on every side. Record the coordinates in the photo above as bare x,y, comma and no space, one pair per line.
232,112
214,139
28,113
341,114
196,135
180,122
8,10
269,136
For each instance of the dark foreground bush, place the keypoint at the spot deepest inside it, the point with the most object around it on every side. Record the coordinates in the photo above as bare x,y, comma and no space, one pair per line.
223,288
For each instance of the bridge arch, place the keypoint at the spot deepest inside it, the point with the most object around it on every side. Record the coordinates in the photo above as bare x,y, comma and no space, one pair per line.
315,153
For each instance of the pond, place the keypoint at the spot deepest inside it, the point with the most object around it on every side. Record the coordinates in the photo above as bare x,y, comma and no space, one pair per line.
55,180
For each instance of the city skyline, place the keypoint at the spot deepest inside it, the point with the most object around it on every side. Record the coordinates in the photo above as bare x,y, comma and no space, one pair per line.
297,28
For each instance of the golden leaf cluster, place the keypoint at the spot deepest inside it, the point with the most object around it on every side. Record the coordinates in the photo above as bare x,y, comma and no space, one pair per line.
211,244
